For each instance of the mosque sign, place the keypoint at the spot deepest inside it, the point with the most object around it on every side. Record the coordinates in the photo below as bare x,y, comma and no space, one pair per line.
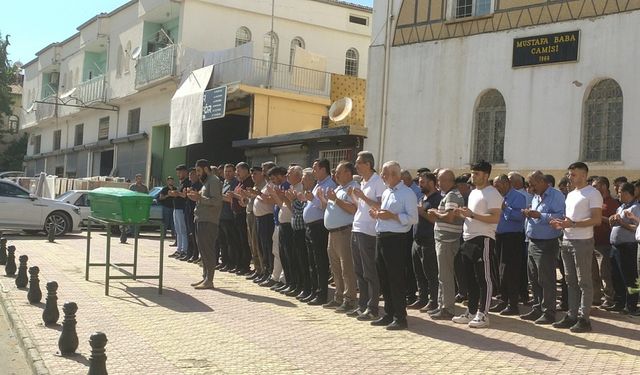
546,49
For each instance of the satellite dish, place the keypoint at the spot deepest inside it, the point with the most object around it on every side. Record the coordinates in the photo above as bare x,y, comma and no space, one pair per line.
136,53
31,108
68,93
340,109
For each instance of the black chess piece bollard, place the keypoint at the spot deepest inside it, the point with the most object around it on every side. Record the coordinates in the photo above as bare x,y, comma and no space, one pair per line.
10,267
34,295
68,342
22,279
51,233
50,314
98,359
3,251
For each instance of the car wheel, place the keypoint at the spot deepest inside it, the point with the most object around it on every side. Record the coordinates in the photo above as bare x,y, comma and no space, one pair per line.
58,221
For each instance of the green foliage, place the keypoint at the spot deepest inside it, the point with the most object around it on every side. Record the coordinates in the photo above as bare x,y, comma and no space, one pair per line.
11,158
7,77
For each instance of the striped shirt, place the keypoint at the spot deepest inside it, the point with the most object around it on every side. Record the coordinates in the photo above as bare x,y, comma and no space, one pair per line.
444,231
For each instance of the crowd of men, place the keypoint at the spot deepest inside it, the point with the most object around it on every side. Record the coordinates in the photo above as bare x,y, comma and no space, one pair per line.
423,243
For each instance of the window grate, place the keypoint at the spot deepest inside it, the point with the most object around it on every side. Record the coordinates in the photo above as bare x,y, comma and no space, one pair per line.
490,124
603,122
336,156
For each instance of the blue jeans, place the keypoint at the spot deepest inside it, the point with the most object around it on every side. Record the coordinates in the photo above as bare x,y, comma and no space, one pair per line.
167,218
182,236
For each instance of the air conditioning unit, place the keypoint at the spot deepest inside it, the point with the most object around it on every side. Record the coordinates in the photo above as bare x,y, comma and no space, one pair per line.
54,78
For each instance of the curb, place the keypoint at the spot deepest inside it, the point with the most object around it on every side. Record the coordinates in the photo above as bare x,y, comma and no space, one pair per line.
24,337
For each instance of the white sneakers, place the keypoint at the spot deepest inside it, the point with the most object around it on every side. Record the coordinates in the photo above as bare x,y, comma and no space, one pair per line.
462,319
480,320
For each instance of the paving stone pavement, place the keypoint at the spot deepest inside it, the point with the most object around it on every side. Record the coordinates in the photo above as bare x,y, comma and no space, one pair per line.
243,328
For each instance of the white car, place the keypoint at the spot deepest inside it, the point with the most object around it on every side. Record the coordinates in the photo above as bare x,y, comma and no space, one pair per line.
80,199
21,210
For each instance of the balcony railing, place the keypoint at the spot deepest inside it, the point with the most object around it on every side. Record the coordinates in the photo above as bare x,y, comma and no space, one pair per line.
91,90
155,66
260,73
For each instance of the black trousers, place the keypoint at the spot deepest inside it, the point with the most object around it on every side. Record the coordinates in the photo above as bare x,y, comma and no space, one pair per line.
509,247
411,283
425,267
303,273
287,256
242,253
265,228
475,258
625,258
317,241
391,266
230,246
192,252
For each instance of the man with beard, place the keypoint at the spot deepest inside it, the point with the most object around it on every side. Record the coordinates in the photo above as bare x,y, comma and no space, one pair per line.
207,217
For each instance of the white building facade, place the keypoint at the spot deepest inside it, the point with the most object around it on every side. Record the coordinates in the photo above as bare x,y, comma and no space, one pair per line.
444,88
98,103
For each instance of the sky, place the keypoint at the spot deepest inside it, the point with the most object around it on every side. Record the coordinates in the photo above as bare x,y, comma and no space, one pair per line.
34,24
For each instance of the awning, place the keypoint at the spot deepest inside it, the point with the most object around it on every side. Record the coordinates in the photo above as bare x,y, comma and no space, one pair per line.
186,109
301,137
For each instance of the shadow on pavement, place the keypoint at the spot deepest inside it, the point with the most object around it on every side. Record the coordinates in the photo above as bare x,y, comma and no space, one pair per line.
170,298
77,357
568,338
462,336
257,298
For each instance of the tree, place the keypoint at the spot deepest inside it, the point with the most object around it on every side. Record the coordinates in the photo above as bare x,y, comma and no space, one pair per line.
11,158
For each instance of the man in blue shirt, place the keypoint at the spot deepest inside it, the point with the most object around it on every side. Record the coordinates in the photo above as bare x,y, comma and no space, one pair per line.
338,219
398,212
547,204
317,234
509,243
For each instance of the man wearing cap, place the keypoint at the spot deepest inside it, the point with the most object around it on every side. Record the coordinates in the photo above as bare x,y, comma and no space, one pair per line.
166,202
179,199
207,217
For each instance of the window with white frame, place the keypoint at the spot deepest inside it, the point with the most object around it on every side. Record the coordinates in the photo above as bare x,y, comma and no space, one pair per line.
270,50
14,124
471,8
243,36
490,122
602,116
57,139
351,62
37,142
296,42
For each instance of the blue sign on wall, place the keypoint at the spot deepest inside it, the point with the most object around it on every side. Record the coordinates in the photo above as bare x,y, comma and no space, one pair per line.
214,103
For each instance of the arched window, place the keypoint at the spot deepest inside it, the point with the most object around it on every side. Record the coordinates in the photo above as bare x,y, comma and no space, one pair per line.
127,62
602,116
296,42
352,58
490,119
243,36
120,61
270,50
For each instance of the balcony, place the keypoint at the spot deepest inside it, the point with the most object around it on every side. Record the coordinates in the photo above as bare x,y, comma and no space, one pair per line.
156,66
255,72
91,91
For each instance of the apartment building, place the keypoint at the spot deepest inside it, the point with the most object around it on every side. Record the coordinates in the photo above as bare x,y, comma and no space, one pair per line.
99,102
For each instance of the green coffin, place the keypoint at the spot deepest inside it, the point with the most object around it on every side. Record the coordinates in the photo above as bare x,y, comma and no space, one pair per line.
120,205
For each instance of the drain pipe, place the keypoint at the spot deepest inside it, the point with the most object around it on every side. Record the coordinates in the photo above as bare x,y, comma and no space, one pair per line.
385,79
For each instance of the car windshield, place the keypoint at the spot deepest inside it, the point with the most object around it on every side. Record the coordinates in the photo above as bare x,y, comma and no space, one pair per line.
155,191
64,196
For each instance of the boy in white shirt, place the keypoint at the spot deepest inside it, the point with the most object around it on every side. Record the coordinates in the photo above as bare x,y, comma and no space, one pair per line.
583,212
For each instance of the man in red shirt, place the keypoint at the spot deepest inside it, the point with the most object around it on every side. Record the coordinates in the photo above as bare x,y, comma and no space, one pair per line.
601,269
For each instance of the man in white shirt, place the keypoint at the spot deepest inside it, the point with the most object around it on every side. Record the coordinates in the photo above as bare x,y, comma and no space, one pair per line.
363,237
481,219
583,212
